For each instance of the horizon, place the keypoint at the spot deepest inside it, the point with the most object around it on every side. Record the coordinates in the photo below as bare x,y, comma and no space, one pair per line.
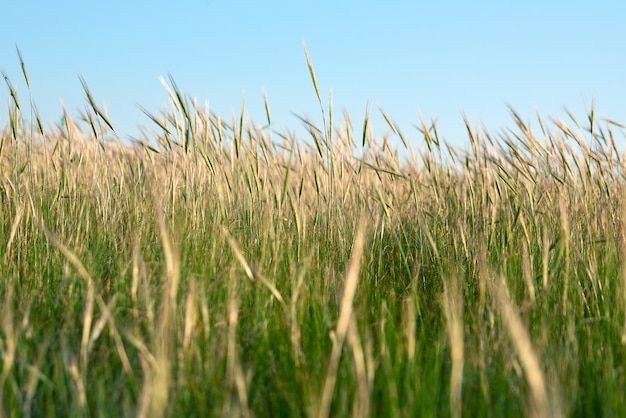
439,61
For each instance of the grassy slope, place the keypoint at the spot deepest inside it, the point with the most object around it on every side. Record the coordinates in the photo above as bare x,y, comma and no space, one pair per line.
210,272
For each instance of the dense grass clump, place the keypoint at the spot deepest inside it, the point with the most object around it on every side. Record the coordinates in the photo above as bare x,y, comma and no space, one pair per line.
218,268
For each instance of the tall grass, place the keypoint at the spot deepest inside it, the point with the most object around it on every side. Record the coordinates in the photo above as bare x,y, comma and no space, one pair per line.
216,268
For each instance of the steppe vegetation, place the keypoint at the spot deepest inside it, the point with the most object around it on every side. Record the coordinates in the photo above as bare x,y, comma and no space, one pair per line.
223,268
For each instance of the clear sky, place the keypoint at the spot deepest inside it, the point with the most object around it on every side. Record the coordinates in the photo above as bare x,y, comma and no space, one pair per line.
437,58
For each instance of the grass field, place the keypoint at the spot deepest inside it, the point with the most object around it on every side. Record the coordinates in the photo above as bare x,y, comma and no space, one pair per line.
220,268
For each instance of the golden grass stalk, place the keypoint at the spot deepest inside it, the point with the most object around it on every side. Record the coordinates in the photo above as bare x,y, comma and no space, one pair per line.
410,327
343,323
89,334
234,372
362,401
453,309
155,392
252,272
527,272
540,404
14,225
622,242
73,259
296,333
161,378
565,232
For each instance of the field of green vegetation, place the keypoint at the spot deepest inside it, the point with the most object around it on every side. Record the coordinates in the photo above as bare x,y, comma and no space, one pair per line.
223,268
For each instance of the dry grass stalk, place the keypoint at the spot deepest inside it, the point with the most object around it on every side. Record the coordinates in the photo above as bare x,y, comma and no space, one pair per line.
343,323
622,242
540,403
361,406
453,308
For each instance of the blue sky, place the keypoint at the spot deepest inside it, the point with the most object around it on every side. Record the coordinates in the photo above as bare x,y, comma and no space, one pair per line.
439,59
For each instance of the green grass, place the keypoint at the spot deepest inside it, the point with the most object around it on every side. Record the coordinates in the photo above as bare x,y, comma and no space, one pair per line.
225,269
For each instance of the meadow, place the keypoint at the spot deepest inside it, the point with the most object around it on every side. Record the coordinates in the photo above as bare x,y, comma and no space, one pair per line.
223,268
